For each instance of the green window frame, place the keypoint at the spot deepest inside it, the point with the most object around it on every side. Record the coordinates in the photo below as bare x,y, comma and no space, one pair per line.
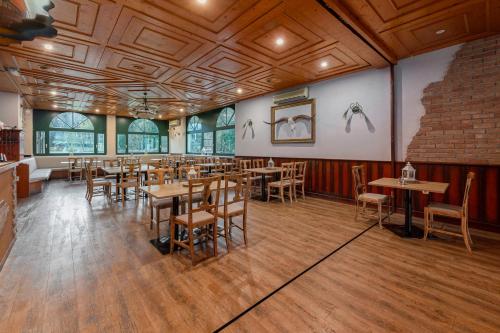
212,132
68,133
141,136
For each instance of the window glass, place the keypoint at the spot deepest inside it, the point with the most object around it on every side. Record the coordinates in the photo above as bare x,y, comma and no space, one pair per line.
194,124
225,118
143,143
40,142
225,141
100,143
121,144
164,144
66,142
208,143
194,142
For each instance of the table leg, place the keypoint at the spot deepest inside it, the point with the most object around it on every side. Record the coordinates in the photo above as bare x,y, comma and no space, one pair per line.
408,213
162,243
263,194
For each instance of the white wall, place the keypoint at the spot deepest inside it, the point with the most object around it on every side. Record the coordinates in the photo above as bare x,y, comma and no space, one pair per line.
177,138
412,75
10,110
370,88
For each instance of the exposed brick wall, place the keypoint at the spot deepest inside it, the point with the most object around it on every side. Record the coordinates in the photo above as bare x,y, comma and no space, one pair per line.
462,112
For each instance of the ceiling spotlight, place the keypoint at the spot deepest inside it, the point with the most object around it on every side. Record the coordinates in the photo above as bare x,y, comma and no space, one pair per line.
159,116
54,106
53,93
280,41
202,2
440,32
181,109
239,90
97,110
324,64
48,47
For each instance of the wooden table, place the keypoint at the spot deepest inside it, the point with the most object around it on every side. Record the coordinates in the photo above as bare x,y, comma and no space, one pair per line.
212,165
174,191
264,172
116,171
422,186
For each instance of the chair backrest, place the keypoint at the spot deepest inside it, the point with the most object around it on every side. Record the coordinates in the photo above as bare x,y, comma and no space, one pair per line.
300,170
110,163
209,202
258,163
154,165
359,180
75,162
169,175
88,175
241,192
245,164
184,169
130,171
287,171
156,176
465,204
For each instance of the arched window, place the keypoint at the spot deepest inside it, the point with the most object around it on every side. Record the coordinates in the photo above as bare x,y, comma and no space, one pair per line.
225,118
68,133
139,136
225,134
195,136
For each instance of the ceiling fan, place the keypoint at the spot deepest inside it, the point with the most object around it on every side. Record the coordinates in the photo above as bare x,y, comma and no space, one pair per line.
145,109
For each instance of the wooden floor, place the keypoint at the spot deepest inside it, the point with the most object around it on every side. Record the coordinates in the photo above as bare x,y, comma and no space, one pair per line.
86,268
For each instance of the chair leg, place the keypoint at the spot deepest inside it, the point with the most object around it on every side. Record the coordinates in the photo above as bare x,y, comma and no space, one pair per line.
245,228
290,193
282,194
150,216
357,209
191,244
172,236
226,232
426,222
465,234
214,235
158,222
380,214
303,190
268,193
389,205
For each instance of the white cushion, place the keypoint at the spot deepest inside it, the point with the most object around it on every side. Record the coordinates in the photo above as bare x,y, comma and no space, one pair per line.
40,174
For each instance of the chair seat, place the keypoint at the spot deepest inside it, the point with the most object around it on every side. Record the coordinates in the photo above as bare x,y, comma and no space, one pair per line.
298,181
236,208
445,209
373,197
129,183
201,217
279,183
162,203
101,182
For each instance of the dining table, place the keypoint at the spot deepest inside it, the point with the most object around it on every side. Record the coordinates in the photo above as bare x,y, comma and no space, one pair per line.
117,171
264,173
174,190
212,165
409,187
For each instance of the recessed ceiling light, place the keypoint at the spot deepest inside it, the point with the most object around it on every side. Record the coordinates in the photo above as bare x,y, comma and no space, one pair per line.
324,64
239,90
280,41
48,47
440,32
53,93
181,109
55,106
202,2
97,110
159,116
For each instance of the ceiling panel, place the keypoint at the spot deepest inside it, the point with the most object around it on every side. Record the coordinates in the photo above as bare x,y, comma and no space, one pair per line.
188,56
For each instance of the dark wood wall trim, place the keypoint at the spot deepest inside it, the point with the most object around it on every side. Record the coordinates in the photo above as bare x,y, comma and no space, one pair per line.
332,179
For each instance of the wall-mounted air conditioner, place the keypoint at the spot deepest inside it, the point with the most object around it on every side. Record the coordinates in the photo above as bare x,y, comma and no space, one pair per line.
292,96
174,123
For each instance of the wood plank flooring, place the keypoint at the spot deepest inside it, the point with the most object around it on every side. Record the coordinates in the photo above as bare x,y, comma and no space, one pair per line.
81,268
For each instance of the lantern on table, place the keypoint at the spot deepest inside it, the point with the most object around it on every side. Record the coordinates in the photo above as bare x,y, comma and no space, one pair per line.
408,173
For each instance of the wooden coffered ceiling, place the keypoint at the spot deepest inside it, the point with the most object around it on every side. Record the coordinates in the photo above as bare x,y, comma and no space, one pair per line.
194,55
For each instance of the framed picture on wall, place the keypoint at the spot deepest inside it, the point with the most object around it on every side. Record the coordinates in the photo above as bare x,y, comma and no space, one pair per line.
294,122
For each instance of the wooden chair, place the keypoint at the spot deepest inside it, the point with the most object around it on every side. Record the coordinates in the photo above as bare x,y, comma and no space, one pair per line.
183,170
96,186
235,206
361,195
158,177
93,165
285,182
110,164
220,168
203,217
300,179
453,211
75,167
130,177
